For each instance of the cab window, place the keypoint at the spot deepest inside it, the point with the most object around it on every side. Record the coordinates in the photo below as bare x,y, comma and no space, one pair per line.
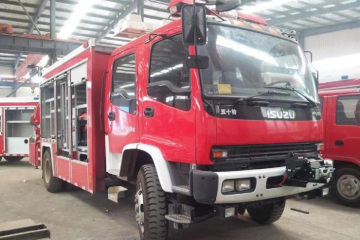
169,80
124,84
348,110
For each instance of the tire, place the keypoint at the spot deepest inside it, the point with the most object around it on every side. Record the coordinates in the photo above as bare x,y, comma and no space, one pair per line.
150,205
345,186
268,213
0,159
13,159
52,184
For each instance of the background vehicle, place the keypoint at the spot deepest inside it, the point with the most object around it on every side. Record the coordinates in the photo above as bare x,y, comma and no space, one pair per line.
235,125
341,112
15,130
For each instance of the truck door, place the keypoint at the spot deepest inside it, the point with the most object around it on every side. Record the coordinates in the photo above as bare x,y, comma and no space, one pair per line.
168,119
345,128
122,115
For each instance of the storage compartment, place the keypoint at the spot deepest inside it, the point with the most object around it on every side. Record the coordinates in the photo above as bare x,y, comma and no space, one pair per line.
18,129
79,120
47,111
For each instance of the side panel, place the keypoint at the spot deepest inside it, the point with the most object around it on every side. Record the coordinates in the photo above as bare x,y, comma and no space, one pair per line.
80,159
171,129
344,138
123,129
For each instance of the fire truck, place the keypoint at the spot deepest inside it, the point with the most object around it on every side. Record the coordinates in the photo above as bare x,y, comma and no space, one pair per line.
208,115
341,111
15,130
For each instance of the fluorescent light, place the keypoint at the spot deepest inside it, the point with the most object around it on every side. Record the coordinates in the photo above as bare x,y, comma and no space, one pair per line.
7,76
262,6
81,9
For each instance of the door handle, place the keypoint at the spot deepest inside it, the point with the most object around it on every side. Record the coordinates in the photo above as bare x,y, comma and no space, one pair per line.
339,143
111,116
149,112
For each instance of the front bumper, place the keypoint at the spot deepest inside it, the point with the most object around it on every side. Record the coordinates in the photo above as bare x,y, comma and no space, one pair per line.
206,186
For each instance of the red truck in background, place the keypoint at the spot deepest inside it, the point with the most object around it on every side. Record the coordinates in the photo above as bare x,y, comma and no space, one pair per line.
341,113
15,128
202,125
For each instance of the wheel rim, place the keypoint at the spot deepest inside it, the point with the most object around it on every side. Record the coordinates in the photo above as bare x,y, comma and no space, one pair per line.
139,208
349,187
47,171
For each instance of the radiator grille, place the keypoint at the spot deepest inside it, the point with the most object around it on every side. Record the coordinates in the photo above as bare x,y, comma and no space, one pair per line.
262,156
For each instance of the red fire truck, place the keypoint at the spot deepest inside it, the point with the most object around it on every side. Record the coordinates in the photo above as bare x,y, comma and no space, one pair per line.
341,111
15,130
206,115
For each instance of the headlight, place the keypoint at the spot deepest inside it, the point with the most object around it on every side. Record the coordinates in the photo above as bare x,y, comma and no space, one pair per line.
238,186
243,185
228,186
329,162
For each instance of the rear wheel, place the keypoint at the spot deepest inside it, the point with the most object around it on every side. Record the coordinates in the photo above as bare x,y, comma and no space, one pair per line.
52,184
150,205
268,213
346,186
13,159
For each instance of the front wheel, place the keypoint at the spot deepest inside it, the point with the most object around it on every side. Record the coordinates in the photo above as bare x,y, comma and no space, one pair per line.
13,159
52,184
346,186
268,213
150,205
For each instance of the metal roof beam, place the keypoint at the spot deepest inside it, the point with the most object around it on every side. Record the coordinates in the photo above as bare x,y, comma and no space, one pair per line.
17,61
129,9
37,16
319,11
333,28
35,45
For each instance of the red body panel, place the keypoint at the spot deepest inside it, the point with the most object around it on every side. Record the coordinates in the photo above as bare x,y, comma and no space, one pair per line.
89,175
125,128
348,134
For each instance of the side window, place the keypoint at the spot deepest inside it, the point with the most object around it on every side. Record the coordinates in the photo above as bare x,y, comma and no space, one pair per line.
124,84
169,80
348,110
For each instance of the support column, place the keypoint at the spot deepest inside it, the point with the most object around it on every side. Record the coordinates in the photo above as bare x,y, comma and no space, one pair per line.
53,19
301,39
140,9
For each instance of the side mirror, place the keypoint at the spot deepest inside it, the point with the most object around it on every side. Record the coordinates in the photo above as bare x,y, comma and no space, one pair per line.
227,5
194,24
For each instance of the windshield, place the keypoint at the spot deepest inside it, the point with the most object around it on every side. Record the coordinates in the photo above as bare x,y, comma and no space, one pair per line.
245,63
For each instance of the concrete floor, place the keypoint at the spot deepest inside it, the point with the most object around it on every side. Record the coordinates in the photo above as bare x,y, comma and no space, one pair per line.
76,214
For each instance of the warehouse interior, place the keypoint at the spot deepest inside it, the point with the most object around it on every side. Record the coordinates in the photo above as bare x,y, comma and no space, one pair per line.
40,37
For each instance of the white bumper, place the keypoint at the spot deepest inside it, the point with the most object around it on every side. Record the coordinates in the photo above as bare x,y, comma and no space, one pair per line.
260,192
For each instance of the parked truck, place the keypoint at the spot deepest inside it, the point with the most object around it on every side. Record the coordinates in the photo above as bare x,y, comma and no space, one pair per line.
207,116
15,128
341,111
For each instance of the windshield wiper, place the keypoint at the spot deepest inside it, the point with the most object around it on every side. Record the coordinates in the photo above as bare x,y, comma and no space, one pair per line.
270,92
312,102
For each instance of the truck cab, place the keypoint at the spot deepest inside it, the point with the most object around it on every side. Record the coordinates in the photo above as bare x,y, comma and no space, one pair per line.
207,115
341,111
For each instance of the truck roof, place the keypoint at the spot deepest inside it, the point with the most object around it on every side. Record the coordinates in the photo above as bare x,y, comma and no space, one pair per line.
343,87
